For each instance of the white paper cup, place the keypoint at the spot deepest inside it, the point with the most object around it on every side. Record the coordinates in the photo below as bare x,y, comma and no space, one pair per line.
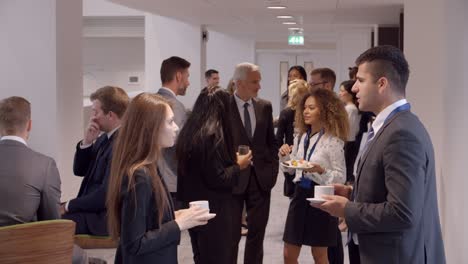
320,190
202,204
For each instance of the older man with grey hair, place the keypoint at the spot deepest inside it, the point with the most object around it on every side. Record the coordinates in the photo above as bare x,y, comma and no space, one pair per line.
253,126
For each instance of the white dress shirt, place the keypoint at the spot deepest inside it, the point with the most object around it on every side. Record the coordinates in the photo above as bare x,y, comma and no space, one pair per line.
240,106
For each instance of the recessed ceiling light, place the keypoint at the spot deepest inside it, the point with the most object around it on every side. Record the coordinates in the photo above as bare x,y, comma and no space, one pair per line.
276,7
287,17
289,23
294,28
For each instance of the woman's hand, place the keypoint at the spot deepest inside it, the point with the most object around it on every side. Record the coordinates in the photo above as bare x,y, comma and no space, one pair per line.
315,168
285,150
244,160
194,216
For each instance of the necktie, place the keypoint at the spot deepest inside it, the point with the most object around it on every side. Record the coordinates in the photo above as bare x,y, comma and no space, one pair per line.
370,136
247,122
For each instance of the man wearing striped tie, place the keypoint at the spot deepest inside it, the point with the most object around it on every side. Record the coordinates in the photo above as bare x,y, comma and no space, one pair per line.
391,211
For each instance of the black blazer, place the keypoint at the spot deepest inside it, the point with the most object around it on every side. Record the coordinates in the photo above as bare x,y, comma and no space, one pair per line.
91,199
285,131
142,239
207,176
263,145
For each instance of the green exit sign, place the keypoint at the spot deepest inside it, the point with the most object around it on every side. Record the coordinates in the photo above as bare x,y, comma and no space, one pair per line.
296,40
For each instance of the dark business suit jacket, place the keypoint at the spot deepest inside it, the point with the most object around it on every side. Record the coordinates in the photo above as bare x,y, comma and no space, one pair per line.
142,239
29,185
263,145
395,211
94,164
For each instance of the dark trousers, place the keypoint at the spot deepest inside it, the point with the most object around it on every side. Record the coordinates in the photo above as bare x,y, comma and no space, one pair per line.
353,251
257,203
211,243
336,253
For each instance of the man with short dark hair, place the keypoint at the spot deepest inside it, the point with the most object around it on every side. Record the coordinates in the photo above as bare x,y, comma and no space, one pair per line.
93,160
212,78
175,81
324,78
392,212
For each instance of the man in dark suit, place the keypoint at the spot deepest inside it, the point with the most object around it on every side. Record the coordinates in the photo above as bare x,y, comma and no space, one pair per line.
93,160
253,126
174,79
29,180
392,213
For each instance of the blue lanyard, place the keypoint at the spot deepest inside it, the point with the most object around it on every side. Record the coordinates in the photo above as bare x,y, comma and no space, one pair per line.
307,142
395,111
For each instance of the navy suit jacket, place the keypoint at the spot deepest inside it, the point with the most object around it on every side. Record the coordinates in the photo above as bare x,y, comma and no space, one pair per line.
142,239
94,164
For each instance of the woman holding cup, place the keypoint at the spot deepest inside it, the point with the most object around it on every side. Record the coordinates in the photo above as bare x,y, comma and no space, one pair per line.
139,206
208,167
322,123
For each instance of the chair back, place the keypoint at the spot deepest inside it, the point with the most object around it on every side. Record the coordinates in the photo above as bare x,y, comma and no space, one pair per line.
37,242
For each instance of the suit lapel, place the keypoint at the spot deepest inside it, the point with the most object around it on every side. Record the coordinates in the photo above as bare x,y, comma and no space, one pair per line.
257,110
237,119
372,143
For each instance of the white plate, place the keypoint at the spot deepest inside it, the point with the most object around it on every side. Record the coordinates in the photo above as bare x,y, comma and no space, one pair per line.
316,200
302,166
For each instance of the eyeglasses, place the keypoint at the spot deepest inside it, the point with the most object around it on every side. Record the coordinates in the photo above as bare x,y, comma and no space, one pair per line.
314,84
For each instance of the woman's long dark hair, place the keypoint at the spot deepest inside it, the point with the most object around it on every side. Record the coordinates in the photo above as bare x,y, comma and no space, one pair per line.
300,69
208,124
348,86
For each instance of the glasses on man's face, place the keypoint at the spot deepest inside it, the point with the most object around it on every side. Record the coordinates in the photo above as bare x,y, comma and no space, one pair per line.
318,83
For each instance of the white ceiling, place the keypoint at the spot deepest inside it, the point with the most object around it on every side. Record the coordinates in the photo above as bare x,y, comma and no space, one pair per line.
251,18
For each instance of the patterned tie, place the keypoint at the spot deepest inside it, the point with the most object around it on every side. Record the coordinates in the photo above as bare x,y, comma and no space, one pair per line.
247,122
370,136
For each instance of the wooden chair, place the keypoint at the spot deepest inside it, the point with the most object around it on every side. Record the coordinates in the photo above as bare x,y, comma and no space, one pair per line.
37,242
95,242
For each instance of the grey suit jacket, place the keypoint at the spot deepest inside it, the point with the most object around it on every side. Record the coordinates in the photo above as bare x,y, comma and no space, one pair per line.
29,185
168,164
395,211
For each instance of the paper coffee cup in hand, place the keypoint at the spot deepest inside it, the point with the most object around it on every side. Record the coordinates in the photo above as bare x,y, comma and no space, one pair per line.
201,204
320,190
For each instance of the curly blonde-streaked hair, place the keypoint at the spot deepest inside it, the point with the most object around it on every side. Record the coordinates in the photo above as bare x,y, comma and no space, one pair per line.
332,113
296,90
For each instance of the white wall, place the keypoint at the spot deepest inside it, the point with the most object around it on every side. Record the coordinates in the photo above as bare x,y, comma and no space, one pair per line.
224,52
106,8
350,45
166,37
436,46
110,61
40,47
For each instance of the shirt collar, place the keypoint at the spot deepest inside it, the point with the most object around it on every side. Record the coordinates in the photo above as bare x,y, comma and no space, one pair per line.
169,90
241,102
380,118
15,138
109,134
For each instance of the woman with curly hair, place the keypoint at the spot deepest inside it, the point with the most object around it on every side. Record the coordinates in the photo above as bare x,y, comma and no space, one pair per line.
322,123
